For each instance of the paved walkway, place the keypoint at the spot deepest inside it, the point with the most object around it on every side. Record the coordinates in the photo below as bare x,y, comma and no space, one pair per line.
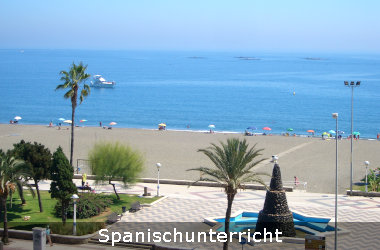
360,215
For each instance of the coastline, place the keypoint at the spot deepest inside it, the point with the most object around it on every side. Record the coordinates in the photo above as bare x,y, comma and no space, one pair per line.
311,159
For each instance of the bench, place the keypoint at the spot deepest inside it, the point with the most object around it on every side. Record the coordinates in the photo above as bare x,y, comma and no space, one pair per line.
136,206
112,218
84,188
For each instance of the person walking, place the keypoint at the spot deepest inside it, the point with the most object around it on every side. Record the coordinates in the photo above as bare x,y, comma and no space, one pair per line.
84,179
48,237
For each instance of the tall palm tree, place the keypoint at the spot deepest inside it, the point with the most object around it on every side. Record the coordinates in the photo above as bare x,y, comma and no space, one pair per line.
234,162
13,172
72,81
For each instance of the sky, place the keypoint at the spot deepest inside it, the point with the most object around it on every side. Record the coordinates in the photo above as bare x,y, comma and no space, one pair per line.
219,25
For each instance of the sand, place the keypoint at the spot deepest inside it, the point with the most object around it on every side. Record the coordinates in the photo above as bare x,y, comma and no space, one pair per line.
312,160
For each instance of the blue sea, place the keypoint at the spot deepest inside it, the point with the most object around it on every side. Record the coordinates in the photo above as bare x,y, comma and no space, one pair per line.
191,90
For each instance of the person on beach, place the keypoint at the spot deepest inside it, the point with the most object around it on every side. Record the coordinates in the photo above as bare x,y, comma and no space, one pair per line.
51,124
48,237
100,124
296,182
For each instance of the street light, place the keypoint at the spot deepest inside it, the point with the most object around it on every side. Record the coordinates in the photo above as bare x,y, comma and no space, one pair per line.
158,165
352,85
75,197
335,116
366,175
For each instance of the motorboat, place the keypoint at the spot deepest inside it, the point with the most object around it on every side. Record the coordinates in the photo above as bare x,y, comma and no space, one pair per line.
100,82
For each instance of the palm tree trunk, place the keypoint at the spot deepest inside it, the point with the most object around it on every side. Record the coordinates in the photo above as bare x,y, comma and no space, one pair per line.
114,189
5,232
230,199
38,195
72,134
10,198
21,193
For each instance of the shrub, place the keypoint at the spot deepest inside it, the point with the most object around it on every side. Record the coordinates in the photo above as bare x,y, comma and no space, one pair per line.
88,205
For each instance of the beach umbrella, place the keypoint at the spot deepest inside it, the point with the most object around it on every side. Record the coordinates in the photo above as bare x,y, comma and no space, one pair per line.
252,128
162,125
311,131
267,128
290,129
62,119
83,120
17,118
211,126
356,133
340,132
332,131
324,133
68,121
113,123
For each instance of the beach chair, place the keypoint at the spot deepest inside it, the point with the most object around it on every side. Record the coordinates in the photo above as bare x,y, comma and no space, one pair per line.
136,206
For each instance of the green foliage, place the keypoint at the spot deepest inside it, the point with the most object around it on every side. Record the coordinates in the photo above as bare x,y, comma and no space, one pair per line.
36,156
234,162
88,205
374,180
62,186
13,173
71,81
114,160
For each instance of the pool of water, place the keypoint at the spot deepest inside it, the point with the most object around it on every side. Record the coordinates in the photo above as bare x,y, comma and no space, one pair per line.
306,224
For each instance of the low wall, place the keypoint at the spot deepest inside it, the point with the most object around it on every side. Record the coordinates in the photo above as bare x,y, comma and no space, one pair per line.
362,193
186,182
56,238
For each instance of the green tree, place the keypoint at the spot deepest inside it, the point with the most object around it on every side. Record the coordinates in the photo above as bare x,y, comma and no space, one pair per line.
234,162
62,186
12,171
72,80
38,160
373,179
113,160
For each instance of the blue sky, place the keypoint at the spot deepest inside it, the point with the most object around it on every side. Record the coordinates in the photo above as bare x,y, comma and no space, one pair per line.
246,25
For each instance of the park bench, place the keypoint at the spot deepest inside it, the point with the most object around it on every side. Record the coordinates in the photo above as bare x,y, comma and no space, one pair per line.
84,188
136,206
112,218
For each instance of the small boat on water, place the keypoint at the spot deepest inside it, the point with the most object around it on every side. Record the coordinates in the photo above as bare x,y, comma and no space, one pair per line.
100,82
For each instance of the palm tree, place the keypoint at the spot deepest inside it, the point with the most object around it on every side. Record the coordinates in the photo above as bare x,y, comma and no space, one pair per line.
71,81
234,162
13,172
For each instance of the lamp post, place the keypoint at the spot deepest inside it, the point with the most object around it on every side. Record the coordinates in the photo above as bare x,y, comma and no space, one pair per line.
335,116
158,165
75,197
352,85
366,175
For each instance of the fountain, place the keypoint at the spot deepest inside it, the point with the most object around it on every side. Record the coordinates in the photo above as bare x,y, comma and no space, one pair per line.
276,213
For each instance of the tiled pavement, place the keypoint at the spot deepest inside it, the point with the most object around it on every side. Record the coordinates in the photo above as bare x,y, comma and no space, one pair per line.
359,215
184,204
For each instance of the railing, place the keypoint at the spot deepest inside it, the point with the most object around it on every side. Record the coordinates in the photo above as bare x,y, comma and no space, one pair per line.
299,185
83,166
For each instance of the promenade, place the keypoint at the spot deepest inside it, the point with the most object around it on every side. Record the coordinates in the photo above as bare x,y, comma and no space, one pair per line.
359,215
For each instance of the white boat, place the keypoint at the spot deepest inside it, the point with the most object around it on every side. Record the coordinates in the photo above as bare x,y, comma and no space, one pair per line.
100,82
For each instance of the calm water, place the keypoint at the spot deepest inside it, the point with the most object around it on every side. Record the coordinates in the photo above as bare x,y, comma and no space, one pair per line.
197,89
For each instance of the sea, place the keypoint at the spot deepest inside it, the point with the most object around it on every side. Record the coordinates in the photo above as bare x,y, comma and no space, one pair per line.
190,90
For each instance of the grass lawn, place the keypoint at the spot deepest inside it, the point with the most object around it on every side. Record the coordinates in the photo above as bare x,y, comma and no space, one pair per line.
17,212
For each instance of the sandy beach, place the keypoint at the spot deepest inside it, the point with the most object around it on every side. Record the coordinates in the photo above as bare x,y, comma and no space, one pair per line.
312,160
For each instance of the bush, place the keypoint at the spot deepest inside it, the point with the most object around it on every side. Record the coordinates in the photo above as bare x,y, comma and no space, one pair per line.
88,205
